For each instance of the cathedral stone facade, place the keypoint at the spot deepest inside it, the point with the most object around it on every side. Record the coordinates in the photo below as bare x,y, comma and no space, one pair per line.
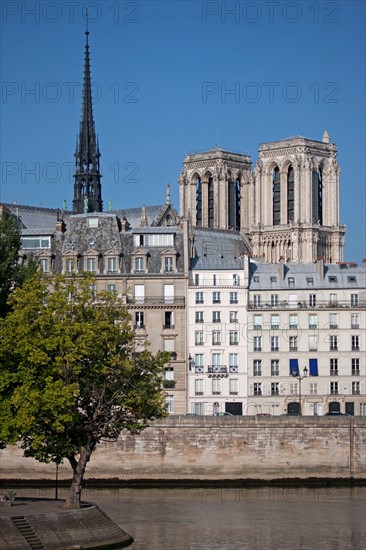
287,206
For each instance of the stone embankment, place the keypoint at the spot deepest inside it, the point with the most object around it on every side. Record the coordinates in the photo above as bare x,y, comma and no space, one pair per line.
43,524
203,449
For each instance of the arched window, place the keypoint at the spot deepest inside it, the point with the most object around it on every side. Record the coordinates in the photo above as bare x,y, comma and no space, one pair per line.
211,209
290,195
198,201
276,196
317,206
234,203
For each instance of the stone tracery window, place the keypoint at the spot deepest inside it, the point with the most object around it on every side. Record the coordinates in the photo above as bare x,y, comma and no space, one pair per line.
276,196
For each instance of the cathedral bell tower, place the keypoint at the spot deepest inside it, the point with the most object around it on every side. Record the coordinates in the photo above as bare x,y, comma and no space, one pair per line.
87,184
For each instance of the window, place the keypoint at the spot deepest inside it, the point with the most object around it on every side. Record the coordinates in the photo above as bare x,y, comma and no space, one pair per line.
139,319
275,388
275,322
197,279
169,373
168,294
91,265
216,316
291,281
216,298
334,388
333,299
293,388
198,337
313,388
275,367
92,289
333,367
293,343
355,388
273,279
362,409
199,298
215,280
112,288
257,367
44,264
216,338
233,317
355,343
257,343
169,345
293,322
198,387
333,341
257,322
216,387
312,300
169,403
233,337
351,279
216,359
274,343
199,316
36,242
257,300
355,366
92,222
313,321
70,265
198,362
313,342
274,300
139,264
112,265
157,239
257,389
355,321
235,279
354,300
310,281
233,362
255,279
233,386
168,264
276,196
139,294
233,297
168,319
333,320
332,279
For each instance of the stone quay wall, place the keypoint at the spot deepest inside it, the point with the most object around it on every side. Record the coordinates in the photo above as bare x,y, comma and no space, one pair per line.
182,448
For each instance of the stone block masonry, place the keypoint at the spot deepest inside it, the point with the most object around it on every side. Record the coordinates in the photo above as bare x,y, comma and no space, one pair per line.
190,448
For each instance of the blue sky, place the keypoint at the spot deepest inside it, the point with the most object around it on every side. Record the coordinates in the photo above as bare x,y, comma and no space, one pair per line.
172,77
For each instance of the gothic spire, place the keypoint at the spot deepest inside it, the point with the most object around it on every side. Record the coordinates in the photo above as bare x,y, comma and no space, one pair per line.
87,185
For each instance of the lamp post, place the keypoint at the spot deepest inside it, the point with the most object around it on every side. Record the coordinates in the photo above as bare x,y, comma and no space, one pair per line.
298,376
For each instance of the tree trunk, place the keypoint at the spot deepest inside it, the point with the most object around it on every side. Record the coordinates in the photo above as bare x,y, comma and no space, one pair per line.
78,469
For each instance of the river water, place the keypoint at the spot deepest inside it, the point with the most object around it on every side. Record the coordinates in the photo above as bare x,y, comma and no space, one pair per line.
263,518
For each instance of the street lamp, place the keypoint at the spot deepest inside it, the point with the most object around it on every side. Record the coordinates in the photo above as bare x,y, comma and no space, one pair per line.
191,363
296,375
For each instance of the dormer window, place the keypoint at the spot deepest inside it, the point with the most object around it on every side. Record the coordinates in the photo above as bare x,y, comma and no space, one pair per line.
168,261
139,264
92,222
291,281
91,265
332,279
112,265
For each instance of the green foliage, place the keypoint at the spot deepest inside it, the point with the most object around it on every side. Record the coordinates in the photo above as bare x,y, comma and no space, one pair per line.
11,273
68,376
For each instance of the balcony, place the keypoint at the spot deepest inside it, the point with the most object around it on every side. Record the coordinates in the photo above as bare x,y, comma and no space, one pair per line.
275,348
355,372
355,348
257,348
354,325
333,372
293,348
169,326
198,393
155,300
169,383
233,368
333,348
304,304
217,368
355,391
199,369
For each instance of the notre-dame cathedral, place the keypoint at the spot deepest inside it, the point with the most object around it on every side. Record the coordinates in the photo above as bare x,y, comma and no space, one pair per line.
287,207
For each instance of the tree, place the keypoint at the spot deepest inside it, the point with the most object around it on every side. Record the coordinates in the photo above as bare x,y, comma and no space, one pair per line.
12,274
69,376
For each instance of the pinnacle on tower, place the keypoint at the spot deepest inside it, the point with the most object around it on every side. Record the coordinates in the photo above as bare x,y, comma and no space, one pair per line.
87,184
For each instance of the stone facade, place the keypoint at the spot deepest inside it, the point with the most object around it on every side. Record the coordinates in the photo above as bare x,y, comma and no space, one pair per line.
215,448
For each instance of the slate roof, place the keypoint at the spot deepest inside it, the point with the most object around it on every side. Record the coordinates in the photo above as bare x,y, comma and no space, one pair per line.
218,249
301,272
